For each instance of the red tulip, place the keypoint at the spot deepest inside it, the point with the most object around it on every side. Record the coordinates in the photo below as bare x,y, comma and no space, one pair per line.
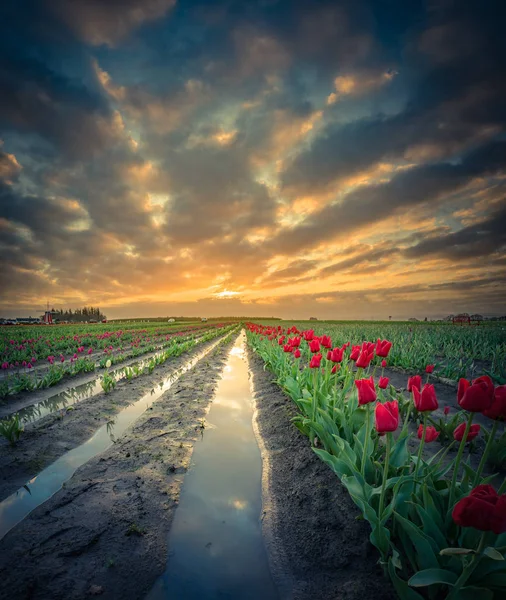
287,348
429,368
90,350
336,355
426,399
308,335
415,381
462,388
383,363
446,410
383,348
431,433
366,390
386,416
498,409
355,353
458,434
315,361
295,342
364,359
383,383
476,397
297,353
483,509
326,341
334,369
314,346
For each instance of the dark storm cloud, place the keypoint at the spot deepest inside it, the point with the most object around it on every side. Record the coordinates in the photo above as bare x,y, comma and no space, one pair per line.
368,204
362,260
37,100
107,22
454,94
481,239
215,195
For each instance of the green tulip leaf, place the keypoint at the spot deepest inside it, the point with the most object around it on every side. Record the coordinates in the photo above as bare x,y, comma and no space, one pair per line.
401,586
340,467
399,455
472,593
493,553
456,551
422,543
432,576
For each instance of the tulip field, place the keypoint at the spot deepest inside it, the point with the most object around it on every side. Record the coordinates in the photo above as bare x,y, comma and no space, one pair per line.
34,358
428,479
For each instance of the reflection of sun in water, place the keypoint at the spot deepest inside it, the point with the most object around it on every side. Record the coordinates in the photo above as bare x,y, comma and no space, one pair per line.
238,504
237,351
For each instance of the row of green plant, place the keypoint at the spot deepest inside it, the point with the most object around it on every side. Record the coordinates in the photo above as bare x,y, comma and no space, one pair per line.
20,346
12,427
437,522
34,380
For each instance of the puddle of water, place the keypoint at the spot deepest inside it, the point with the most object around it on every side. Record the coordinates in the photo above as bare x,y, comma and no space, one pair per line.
216,550
39,489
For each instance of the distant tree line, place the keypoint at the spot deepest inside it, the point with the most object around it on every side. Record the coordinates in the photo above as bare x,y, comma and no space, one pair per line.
79,315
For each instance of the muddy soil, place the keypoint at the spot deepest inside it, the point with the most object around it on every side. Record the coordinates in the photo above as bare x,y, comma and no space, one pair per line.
105,533
317,547
48,438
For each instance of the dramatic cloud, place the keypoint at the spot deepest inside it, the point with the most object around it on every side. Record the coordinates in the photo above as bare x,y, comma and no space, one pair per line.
263,158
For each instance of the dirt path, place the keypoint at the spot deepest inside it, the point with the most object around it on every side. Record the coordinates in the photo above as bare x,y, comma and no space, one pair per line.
48,438
317,547
106,532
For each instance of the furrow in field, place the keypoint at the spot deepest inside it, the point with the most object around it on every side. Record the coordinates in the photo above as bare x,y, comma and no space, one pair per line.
45,441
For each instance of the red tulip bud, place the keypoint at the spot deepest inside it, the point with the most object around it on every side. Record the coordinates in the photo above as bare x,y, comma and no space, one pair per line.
498,409
383,383
483,509
458,434
315,361
386,417
431,434
426,399
366,390
415,381
478,396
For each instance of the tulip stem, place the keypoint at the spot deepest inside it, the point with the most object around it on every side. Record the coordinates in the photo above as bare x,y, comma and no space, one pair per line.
486,452
385,476
406,421
315,399
420,448
468,570
367,434
458,458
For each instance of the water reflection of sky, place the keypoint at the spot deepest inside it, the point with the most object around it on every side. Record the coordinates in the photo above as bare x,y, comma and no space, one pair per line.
215,546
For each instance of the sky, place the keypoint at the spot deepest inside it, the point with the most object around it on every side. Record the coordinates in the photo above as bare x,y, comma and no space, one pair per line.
300,158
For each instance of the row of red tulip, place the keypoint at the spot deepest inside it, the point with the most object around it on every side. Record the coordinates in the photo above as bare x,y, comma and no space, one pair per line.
340,420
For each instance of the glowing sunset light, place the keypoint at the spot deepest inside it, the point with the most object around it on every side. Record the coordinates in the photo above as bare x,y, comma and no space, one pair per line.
190,158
